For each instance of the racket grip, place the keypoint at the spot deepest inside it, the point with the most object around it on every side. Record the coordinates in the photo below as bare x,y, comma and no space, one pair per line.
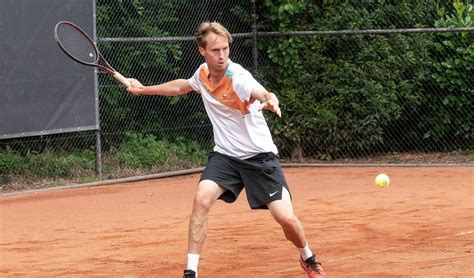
122,79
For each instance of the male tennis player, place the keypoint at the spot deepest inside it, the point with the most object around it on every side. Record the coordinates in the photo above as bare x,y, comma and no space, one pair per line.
244,154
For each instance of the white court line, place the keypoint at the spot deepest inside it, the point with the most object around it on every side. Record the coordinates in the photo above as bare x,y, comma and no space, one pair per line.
458,234
391,248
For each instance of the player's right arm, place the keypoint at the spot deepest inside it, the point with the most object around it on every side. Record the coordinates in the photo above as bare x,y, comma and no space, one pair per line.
172,88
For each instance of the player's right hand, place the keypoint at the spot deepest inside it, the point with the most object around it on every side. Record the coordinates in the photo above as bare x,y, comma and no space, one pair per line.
135,87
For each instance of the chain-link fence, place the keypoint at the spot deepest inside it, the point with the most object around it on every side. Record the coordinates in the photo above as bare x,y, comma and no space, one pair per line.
368,83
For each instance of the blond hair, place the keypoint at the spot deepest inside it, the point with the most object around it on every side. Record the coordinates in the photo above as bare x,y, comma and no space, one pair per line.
214,27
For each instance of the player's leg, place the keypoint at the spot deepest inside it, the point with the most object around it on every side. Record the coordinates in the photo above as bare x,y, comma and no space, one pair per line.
206,195
266,187
282,211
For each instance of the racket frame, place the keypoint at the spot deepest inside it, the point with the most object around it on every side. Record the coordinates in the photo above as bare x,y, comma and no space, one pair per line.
100,62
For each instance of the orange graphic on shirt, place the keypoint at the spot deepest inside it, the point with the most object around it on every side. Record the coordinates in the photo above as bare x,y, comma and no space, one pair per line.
223,92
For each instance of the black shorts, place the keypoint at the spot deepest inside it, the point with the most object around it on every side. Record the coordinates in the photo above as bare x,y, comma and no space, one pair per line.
261,175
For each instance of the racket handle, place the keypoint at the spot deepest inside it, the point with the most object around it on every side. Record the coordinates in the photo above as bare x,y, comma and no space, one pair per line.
122,79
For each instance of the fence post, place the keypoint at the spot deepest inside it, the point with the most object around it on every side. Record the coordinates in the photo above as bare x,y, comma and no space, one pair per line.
98,155
254,36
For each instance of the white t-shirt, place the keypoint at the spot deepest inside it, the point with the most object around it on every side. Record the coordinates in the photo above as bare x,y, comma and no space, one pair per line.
240,130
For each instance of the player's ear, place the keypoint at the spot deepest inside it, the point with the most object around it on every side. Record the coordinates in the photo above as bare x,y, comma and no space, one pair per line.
202,50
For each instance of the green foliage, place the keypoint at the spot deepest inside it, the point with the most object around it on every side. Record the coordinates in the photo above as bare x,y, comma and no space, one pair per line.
455,71
121,112
153,63
188,150
10,162
343,93
46,165
357,94
138,18
140,151
89,179
137,151
453,74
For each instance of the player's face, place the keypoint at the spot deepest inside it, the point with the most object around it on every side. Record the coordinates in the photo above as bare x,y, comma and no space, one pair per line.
216,52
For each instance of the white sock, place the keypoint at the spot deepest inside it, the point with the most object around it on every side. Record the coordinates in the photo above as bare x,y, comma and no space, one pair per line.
193,261
305,252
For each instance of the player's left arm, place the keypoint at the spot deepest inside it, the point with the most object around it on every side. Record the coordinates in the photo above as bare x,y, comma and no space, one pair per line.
268,100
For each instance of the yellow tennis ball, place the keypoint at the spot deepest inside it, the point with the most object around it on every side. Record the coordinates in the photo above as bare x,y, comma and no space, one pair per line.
382,180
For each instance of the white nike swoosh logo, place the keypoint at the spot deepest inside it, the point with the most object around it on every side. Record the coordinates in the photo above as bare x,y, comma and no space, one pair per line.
271,194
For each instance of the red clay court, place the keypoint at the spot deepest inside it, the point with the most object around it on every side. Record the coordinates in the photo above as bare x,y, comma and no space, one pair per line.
422,225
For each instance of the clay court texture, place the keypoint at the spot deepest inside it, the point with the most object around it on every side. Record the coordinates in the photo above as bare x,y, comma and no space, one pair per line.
422,225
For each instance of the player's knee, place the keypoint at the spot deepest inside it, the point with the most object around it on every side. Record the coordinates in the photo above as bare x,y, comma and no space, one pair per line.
202,201
288,222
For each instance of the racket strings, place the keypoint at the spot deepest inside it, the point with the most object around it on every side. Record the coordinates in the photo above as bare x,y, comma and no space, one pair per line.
76,44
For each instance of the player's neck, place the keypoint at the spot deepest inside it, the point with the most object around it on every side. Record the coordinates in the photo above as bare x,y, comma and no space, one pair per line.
215,76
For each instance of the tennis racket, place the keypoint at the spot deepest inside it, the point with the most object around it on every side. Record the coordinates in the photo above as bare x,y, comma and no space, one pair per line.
82,49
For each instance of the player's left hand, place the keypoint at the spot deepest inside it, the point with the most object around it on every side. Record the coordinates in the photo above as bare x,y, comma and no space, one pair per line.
271,104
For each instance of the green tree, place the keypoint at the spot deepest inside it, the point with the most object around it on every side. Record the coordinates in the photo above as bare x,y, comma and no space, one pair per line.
342,93
156,62
453,77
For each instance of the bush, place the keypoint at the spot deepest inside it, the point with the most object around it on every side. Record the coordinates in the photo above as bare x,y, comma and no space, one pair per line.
188,150
137,151
453,63
359,95
45,165
140,151
10,162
